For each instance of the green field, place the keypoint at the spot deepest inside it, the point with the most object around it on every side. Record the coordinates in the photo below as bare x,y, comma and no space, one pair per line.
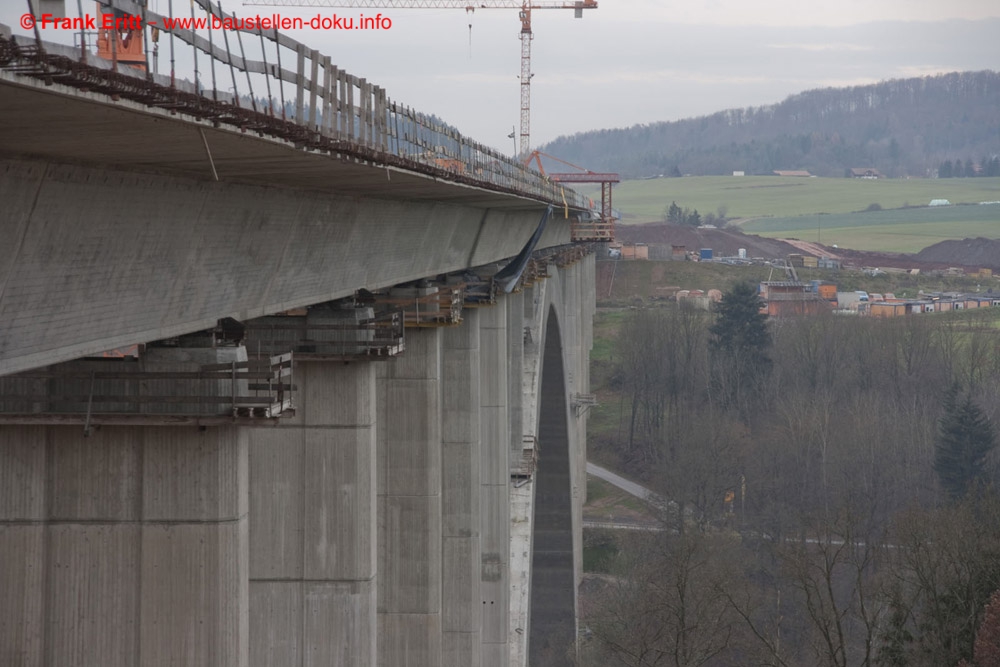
774,196
897,230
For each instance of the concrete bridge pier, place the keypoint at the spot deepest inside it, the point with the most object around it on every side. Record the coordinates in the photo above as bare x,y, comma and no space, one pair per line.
403,516
312,524
576,327
515,372
409,503
495,485
125,548
460,459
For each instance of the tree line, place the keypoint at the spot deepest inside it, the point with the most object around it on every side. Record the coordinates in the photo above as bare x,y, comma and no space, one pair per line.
676,215
969,169
833,488
900,127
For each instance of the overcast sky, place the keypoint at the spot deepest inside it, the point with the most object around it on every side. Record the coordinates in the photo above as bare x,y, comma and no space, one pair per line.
638,61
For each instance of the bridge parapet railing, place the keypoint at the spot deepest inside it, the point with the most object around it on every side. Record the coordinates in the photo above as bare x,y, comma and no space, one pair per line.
243,83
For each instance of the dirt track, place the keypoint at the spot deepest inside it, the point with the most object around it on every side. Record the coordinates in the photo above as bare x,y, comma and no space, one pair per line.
722,241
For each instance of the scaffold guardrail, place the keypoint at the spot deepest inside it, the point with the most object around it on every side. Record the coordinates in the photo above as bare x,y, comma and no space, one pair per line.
378,337
441,305
99,391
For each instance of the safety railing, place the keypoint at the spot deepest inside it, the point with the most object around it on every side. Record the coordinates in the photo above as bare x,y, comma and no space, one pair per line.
378,337
437,305
478,292
321,108
523,468
536,270
96,391
593,230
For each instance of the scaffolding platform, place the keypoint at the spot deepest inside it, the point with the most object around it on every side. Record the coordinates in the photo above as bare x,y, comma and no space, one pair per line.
600,231
133,391
581,403
355,334
479,293
524,468
426,306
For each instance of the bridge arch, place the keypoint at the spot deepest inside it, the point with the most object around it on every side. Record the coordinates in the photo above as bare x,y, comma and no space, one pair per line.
554,576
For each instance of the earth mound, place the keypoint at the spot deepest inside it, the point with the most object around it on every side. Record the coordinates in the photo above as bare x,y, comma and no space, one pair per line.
980,252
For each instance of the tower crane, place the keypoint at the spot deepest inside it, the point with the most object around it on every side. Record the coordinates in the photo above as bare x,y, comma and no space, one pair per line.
525,7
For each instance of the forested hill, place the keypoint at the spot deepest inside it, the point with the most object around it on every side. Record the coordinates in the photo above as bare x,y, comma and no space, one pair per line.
900,127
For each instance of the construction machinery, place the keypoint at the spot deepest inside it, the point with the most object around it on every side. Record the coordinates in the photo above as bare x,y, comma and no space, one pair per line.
787,266
599,229
524,15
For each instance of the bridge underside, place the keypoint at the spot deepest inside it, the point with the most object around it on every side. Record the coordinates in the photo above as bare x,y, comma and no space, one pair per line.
116,233
101,258
423,509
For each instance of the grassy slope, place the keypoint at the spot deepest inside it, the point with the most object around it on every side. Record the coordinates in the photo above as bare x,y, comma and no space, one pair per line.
898,230
771,199
773,196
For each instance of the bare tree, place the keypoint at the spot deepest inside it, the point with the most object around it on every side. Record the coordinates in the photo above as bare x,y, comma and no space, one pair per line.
667,605
835,573
945,566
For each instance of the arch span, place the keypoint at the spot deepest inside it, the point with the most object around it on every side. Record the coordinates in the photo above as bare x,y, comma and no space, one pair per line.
553,585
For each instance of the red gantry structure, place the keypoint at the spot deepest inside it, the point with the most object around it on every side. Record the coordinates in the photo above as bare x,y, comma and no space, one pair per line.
602,229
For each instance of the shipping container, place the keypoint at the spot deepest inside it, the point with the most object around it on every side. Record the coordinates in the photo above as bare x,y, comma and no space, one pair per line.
827,291
888,309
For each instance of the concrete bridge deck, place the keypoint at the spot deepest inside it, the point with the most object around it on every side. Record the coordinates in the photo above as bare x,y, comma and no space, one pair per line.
96,164
63,124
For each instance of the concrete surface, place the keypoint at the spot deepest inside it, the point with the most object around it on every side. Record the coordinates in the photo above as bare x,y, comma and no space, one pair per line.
409,503
312,524
97,258
461,453
378,526
495,481
125,548
126,220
